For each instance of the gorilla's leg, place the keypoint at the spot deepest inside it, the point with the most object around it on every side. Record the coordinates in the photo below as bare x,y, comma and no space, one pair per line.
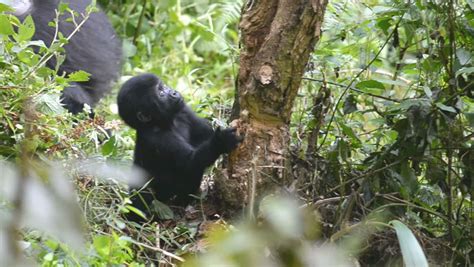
74,97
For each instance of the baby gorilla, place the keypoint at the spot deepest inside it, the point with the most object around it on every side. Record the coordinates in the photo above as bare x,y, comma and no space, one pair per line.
173,145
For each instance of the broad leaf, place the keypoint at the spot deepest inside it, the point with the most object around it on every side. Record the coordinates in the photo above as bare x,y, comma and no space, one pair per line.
4,8
391,82
465,70
5,25
446,108
109,147
413,255
370,84
470,118
136,211
26,30
79,76
162,210
463,56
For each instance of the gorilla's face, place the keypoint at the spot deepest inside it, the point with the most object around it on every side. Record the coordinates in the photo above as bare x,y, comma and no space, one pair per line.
166,102
145,101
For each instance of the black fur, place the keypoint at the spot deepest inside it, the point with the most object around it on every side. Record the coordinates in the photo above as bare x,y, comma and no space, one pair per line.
173,145
95,48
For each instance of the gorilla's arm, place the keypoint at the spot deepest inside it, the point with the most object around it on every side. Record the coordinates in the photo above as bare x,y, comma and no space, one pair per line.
74,97
188,158
200,129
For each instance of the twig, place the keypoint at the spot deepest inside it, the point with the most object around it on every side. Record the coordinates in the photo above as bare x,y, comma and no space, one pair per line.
352,227
140,21
402,202
321,105
325,201
46,57
452,77
366,174
169,254
7,87
353,89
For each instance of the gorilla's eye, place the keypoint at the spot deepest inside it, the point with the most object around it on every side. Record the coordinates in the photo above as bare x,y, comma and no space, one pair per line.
161,94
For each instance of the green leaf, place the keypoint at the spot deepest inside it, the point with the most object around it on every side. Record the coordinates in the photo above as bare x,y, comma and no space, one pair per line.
384,10
428,91
119,223
102,244
162,210
38,43
4,8
109,147
413,255
471,4
26,30
79,76
465,70
48,257
446,108
470,118
391,134
391,82
25,56
129,49
5,25
48,103
406,104
92,7
463,56
370,84
136,211
349,131
409,183
204,32
63,7
384,24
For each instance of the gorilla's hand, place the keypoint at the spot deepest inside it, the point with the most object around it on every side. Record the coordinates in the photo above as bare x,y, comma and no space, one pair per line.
226,140
74,97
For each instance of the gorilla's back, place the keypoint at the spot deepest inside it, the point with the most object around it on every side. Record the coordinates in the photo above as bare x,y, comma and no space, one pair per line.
95,48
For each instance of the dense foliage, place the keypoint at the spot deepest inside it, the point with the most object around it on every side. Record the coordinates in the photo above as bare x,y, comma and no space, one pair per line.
395,86
383,130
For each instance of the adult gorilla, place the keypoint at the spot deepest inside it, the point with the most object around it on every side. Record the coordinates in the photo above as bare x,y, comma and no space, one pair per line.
173,145
95,48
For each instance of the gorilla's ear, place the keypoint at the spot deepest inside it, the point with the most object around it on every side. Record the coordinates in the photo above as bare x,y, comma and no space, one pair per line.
142,117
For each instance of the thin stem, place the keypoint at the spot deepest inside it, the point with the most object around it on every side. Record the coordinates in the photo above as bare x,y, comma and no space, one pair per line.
46,57
353,89
140,21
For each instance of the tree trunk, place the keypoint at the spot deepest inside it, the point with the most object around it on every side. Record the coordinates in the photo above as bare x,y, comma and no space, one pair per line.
277,38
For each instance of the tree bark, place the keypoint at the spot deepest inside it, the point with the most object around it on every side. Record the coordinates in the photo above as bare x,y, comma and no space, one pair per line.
277,38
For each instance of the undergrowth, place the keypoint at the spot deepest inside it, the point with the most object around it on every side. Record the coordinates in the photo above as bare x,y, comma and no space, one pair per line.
382,132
